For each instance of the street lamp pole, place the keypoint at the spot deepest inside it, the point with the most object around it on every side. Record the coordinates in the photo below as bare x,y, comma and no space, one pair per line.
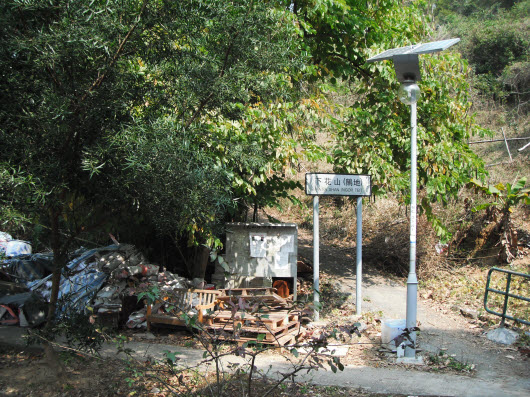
406,65
412,280
409,93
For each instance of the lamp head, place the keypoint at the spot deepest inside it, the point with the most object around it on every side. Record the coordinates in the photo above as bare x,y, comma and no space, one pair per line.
409,92
407,67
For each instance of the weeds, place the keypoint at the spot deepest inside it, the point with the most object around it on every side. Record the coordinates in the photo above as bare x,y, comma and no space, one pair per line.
442,360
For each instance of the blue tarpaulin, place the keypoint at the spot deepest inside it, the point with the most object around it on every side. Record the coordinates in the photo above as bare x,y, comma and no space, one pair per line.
80,282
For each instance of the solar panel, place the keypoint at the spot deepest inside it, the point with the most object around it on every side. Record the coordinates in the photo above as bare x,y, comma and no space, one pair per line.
426,48
435,46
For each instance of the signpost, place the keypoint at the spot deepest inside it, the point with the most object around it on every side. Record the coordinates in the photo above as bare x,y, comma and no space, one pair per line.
317,185
338,185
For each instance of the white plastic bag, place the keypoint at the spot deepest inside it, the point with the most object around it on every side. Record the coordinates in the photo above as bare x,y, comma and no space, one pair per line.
17,247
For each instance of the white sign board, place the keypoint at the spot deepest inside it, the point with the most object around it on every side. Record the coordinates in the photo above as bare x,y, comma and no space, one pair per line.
338,185
258,245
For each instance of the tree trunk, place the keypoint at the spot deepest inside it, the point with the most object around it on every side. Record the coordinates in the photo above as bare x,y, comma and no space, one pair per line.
54,364
59,262
255,213
201,255
52,306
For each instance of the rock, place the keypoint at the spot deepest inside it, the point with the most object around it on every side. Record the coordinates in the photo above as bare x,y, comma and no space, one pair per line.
334,351
483,317
350,298
503,336
146,335
469,313
361,327
427,294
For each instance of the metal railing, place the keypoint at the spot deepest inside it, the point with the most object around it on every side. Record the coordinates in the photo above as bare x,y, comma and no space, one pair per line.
506,294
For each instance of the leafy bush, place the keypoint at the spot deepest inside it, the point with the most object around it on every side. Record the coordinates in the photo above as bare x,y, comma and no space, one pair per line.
503,200
495,38
493,47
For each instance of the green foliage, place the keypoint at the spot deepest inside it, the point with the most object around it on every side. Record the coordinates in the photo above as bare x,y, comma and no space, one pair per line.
14,191
372,133
174,117
494,46
445,9
79,330
174,183
337,33
504,197
119,112
64,91
503,200
495,38
151,295
259,151
443,360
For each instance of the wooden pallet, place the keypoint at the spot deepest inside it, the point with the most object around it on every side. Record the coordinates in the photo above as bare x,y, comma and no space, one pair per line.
282,338
182,300
269,320
265,295
279,328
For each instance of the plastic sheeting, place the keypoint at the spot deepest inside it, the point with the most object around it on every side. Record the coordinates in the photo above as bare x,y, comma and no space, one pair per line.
29,267
80,282
17,247
4,239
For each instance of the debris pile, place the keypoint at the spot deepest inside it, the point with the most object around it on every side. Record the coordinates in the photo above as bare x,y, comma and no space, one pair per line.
106,283
102,280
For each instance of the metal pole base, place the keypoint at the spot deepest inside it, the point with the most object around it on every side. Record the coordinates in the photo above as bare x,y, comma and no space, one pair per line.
410,360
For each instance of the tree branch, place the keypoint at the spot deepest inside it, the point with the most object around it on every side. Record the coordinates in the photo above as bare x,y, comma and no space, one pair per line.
97,83
205,101
356,67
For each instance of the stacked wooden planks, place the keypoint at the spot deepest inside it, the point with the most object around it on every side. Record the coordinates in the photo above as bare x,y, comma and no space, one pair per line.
276,327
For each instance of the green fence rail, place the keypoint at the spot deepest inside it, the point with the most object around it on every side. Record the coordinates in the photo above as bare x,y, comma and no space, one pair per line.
506,294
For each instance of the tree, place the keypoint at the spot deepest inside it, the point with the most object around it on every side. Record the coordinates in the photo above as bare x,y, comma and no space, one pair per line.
372,135
241,63
113,108
495,41
64,89
177,116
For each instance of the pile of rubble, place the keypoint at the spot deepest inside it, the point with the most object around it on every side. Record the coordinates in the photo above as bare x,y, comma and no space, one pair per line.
107,280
